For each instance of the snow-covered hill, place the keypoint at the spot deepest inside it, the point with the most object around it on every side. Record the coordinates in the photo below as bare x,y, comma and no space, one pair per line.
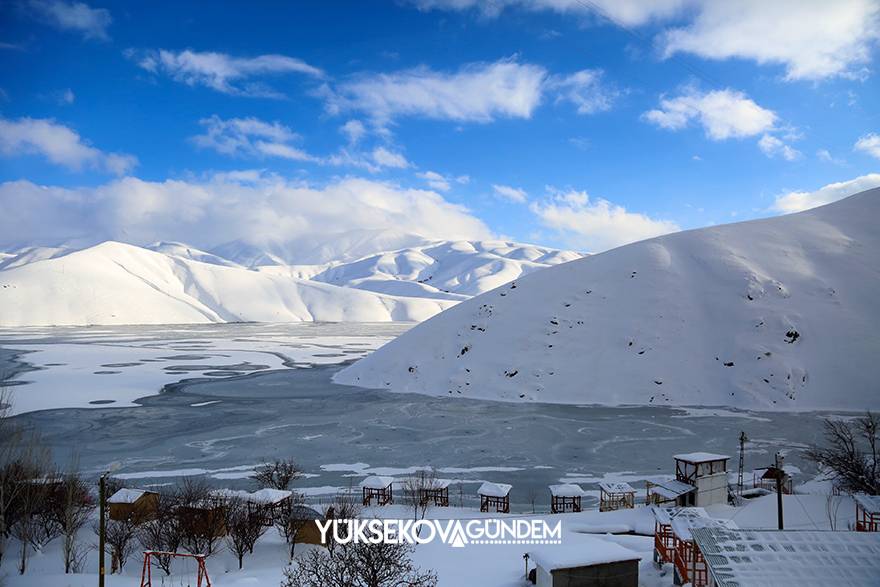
781,313
169,282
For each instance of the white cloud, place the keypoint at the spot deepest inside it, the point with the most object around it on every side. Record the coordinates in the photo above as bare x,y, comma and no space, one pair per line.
723,114
59,144
510,193
625,12
813,39
255,208
222,72
596,225
797,201
249,137
354,130
478,92
66,97
826,156
385,158
773,146
870,144
435,180
92,23
585,90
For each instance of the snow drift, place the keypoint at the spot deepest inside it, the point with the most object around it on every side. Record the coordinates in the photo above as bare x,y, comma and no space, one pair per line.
777,314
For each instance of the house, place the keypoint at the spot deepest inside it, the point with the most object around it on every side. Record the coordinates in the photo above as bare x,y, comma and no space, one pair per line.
495,495
137,505
673,542
752,558
584,565
565,498
436,492
867,512
616,496
205,516
379,487
707,472
308,532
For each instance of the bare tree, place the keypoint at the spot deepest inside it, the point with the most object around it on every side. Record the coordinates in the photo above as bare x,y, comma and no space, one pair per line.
290,519
279,474
357,564
533,498
120,537
415,488
851,456
29,526
832,505
344,507
243,528
199,517
162,533
72,509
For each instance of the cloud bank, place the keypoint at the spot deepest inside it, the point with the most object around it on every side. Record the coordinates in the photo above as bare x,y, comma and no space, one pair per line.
799,201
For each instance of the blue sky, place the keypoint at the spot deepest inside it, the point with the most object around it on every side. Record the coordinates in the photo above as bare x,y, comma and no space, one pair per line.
564,122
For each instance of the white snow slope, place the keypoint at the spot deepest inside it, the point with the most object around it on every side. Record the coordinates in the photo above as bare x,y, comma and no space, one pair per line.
116,283
778,314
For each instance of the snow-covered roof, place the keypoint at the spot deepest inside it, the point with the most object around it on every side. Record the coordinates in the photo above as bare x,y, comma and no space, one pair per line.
682,526
666,515
797,558
671,489
377,482
596,552
494,489
701,457
566,490
616,487
869,503
126,495
437,483
304,512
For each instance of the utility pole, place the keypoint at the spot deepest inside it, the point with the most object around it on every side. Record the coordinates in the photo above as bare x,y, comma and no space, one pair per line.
102,530
779,463
742,449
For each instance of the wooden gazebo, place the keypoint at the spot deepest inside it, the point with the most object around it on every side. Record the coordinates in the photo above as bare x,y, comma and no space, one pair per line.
379,487
565,498
436,492
495,495
616,496
867,512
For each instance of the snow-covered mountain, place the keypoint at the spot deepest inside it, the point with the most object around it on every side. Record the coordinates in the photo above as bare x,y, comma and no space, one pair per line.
169,282
779,314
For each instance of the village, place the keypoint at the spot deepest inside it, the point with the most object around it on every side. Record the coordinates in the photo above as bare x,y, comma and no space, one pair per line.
706,524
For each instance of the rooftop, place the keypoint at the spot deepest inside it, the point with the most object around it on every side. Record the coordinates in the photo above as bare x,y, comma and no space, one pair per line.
869,503
671,489
126,495
377,482
494,489
802,558
701,457
595,552
614,487
566,490
666,515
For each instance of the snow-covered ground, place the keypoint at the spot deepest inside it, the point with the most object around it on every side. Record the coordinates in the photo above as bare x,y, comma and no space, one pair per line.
486,565
774,314
172,283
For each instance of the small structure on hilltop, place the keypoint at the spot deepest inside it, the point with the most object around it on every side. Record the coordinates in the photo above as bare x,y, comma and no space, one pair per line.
705,471
435,492
670,492
137,505
583,565
495,495
379,487
616,496
767,479
747,558
867,512
565,498
673,542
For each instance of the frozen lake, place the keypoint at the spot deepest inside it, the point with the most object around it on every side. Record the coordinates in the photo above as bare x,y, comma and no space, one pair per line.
233,396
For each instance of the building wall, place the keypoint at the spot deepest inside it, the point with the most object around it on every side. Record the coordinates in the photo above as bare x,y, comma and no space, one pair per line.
711,489
619,574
